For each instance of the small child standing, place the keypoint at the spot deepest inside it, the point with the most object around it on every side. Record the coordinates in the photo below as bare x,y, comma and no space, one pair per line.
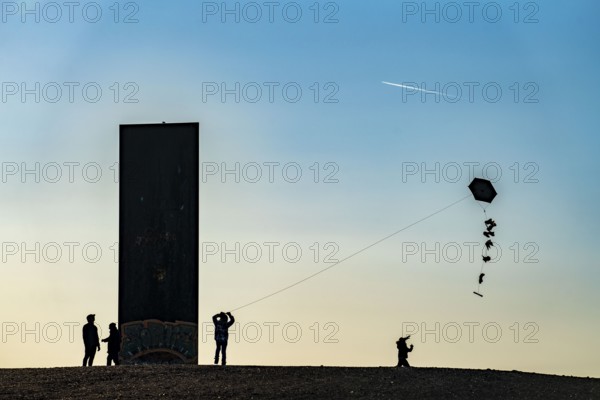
114,344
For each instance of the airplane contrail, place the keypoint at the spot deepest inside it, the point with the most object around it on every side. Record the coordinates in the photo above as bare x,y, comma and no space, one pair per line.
419,89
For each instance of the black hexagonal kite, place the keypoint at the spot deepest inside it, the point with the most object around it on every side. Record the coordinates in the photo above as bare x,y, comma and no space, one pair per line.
482,190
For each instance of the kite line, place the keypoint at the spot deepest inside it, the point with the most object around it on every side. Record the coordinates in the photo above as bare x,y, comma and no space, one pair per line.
350,256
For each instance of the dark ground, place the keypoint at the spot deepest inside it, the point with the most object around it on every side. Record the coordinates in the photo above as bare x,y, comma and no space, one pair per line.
213,382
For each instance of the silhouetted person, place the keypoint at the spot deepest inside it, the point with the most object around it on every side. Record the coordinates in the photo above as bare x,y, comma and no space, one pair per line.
403,351
114,344
481,278
222,324
486,258
91,341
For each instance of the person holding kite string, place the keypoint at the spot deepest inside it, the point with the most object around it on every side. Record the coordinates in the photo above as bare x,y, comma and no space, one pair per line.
403,351
223,322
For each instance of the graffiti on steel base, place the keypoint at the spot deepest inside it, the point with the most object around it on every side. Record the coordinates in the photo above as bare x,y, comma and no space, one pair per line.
155,341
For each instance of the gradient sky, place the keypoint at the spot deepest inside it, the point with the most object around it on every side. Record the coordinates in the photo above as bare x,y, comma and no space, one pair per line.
543,297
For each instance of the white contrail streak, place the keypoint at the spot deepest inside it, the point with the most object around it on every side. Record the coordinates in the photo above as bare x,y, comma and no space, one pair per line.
419,89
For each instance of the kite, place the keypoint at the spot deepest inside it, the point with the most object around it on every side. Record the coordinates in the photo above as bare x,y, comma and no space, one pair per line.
484,192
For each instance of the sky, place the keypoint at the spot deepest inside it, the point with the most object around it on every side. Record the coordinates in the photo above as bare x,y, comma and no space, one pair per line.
307,157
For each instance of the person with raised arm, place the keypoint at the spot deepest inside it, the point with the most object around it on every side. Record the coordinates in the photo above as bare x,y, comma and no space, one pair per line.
223,322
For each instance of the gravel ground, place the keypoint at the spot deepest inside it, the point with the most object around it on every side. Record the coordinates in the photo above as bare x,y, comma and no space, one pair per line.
214,382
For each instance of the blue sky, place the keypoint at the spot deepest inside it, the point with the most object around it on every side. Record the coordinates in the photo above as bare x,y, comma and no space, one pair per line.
370,135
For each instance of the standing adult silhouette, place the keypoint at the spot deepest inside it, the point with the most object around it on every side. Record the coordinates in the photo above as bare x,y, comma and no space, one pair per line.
403,351
91,341
222,324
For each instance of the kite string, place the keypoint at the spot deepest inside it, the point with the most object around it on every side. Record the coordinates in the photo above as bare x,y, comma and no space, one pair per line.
350,256
483,208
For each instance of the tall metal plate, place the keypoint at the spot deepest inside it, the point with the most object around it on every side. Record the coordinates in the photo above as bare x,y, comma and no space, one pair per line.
158,241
